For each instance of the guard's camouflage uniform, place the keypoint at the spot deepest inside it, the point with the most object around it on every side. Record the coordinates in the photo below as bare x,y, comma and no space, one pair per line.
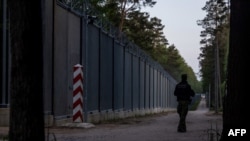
183,92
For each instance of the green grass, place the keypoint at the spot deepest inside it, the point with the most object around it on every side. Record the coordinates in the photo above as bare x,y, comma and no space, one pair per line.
4,137
194,105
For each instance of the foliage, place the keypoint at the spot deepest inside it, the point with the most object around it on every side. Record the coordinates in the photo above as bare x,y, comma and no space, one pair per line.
118,10
194,105
4,137
215,34
147,33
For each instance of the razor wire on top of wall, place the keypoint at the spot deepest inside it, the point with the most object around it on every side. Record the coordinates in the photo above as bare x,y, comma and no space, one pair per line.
84,9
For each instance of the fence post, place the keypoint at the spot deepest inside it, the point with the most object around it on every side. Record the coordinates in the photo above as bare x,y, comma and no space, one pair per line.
78,93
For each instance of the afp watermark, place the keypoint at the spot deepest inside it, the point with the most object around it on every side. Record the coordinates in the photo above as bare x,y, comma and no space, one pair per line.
237,132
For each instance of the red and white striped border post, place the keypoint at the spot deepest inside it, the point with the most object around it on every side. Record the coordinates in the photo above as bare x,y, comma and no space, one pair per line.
78,93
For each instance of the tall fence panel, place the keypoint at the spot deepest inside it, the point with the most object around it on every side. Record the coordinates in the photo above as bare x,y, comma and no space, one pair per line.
142,84
135,82
151,87
127,80
106,72
93,69
147,86
155,90
66,42
118,76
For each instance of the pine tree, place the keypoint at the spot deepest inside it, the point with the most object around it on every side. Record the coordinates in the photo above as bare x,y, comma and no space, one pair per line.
213,41
235,115
26,103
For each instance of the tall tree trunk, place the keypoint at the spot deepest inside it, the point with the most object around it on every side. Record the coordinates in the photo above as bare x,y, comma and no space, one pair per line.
26,104
236,104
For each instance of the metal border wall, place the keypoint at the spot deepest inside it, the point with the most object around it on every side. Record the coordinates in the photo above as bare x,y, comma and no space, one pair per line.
119,75
120,78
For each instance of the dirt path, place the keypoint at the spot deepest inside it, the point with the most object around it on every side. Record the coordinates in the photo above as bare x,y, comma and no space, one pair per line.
156,128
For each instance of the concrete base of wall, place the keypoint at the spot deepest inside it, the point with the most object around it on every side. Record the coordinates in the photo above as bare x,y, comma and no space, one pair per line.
48,120
4,117
93,117
96,117
61,122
